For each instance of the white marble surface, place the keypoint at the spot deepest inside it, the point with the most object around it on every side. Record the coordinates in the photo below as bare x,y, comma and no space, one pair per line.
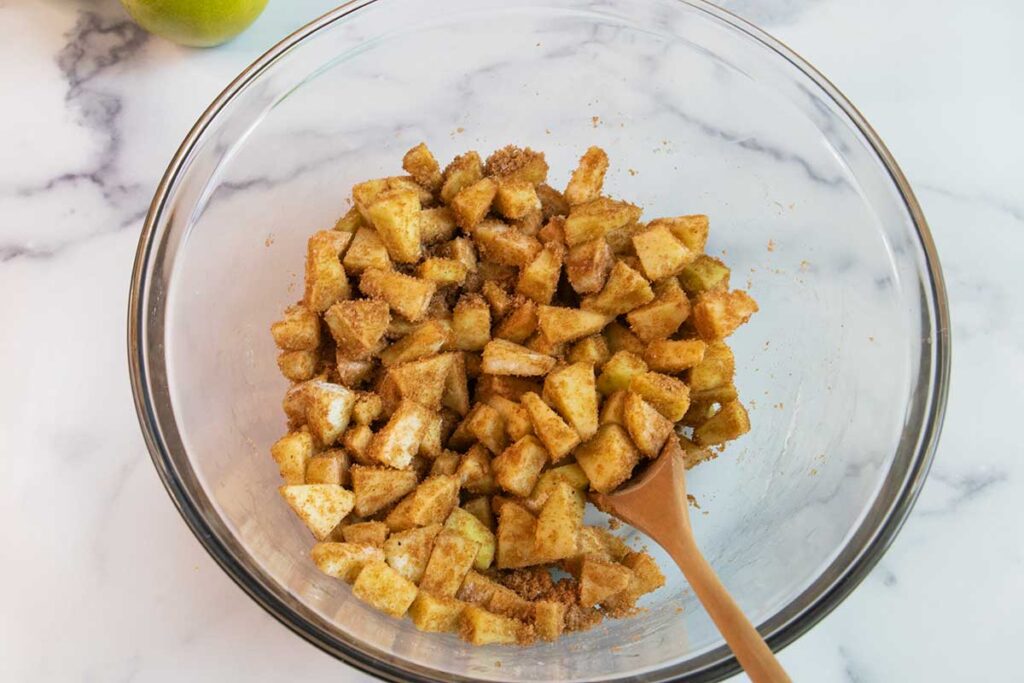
105,583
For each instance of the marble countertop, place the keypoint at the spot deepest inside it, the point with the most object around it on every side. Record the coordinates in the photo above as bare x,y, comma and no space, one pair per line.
105,583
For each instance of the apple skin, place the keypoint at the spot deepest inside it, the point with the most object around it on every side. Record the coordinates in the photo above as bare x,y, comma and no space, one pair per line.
196,23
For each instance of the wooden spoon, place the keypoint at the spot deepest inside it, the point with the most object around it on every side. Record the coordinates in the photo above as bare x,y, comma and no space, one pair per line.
655,503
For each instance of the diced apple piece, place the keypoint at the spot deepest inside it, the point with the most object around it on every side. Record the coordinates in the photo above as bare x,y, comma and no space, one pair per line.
462,172
624,290
420,163
504,245
470,527
617,373
475,472
435,614
425,340
619,338
595,542
516,419
572,392
559,522
486,424
358,327
549,619
692,453
620,241
344,560
366,533
720,395
663,316
368,407
586,181
717,314
669,395
592,349
328,410
660,253
298,366
438,225
539,278
329,467
395,216
572,474
471,323
397,441
588,264
356,441
320,506
294,404
446,462
422,381
353,373
477,589
452,557
480,627
715,370
299,330
497,298
674,355
730,422
552,201
408,551
430,503
502,357
646,426
384,589
351,221
690,230
541,344
407,296
291,453
517,531
480,507
517,468
599,580
377,487
553,232
326,281
705,274
559,324
473,202
436,435
613,410
595,218
645,577
517,163
520,322
608,458
516,198
366,251
558,437
366,193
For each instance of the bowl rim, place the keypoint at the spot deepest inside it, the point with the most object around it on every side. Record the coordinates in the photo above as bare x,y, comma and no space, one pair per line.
721,662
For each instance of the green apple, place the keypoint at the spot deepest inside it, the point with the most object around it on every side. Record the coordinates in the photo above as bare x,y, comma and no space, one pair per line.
198,23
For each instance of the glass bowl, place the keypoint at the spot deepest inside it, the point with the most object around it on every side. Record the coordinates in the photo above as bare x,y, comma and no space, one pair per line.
844,369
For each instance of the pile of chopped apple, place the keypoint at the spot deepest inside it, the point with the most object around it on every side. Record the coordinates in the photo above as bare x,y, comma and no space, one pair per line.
473,353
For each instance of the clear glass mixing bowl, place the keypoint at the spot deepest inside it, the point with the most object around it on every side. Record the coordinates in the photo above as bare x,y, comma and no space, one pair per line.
845,368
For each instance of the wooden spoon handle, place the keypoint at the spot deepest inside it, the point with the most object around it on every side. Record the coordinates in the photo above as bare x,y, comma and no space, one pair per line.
753,653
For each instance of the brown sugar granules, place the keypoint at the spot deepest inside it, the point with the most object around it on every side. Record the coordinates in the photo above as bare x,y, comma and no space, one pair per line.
577,617
531,583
